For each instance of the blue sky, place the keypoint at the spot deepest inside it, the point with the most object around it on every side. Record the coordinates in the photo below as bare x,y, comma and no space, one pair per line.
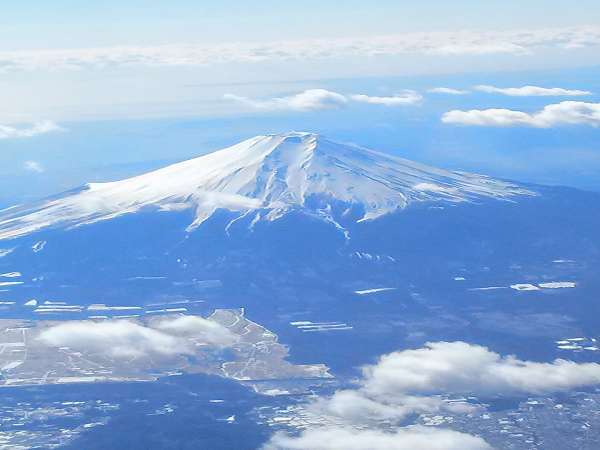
104,90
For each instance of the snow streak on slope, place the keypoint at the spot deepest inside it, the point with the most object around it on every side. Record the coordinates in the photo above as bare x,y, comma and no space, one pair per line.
271,175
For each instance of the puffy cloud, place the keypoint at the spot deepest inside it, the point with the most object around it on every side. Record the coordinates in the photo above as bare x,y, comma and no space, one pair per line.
119,339
34,166
359,407
322,99
409,438
11,132
434,43
407,98
199,328
170,336
354,407
445,90
459,367
531,91
409,381
564,113
489,117
309,100
419,381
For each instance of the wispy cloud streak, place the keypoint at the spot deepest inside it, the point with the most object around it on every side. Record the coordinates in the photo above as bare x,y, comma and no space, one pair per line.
532,91
13,132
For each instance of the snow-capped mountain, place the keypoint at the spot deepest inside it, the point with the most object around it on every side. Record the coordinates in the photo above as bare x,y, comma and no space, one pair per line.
266,176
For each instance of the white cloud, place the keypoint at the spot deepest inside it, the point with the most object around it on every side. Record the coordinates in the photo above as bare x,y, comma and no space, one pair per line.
419,381
354,407
411,381
531,91
127,339
357,406
459,367
119,339
445,90
34,166
322,99
407,98
199,328
409,438
11,132
434,43
309,100
564,113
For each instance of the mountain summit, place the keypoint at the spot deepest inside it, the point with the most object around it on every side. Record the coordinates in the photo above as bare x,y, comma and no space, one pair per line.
267,176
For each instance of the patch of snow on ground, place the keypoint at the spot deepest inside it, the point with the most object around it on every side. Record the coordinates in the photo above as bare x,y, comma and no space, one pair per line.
557,284
38,246
41,310
306,326
578,344
10,275
102,307
5,251
374,290
488,288
524,287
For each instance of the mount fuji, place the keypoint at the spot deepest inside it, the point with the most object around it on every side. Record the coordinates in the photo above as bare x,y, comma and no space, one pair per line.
266,177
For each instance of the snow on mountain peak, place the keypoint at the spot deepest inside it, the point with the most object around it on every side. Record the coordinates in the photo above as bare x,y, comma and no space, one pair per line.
269,175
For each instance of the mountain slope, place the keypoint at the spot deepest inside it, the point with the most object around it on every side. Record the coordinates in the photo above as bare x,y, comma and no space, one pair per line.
270,175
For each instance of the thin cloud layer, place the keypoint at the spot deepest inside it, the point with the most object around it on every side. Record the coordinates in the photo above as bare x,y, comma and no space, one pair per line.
11,132
406,98
564,113
410,438
322,99
129,339
434,43
34,166
446,90
531,91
